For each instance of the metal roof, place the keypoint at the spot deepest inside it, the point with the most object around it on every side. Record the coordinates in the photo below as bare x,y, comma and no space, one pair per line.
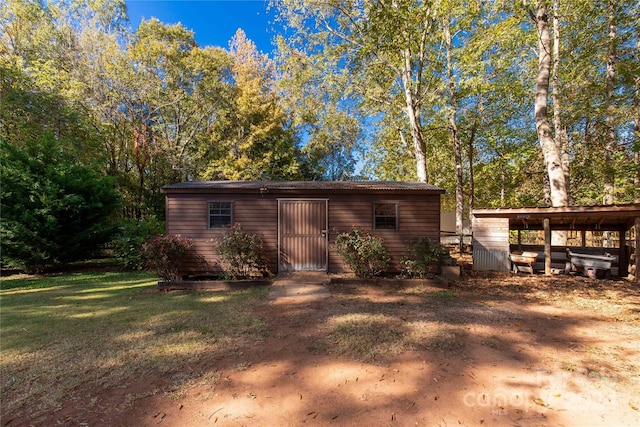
294,186
603,217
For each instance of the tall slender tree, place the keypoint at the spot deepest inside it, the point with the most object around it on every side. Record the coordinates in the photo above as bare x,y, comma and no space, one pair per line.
610,77
550,149
453,126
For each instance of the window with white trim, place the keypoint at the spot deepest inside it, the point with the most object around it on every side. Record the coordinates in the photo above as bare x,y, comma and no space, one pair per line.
385,216
220,214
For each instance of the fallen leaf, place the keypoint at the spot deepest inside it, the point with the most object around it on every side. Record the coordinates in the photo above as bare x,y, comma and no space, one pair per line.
540,402
634,407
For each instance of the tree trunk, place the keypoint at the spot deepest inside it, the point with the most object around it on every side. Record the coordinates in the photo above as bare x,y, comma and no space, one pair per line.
470,155
413,114
562,141
559,237
552,157
610,144
636,138
453,110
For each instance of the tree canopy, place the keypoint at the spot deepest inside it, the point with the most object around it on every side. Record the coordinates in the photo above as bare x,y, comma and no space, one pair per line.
442,91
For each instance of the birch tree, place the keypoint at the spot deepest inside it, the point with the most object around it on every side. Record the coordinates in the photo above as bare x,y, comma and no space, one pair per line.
561,137
550,149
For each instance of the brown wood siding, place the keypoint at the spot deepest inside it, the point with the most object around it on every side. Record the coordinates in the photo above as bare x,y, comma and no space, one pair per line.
188,215
418,215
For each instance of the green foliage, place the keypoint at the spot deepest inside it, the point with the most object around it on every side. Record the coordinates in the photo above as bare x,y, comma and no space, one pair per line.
54,211
29,113
151,107
252,139
422,253
164,255
128,241
241,253
366,255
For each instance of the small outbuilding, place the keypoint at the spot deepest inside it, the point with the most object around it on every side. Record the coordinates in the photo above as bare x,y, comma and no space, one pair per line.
593,231
298,221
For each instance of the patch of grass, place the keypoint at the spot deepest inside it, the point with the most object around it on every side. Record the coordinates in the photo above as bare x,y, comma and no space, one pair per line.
365,336
435,335
443,294
242,366
85,332
371,336
492,342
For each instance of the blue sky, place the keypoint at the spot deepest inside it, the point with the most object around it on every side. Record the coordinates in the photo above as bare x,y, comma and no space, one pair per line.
214,22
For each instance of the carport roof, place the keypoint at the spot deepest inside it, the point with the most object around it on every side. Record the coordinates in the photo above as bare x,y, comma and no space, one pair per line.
610,217
296,186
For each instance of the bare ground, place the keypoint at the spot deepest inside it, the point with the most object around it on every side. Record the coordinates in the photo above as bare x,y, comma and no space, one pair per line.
491,350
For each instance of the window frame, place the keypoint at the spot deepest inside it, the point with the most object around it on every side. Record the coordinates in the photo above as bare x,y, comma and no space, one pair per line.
210,215
395,216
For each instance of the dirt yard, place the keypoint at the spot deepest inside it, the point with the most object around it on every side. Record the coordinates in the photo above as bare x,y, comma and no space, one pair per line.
492,350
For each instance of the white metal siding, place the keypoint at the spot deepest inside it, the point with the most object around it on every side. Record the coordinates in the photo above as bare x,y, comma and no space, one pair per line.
490,244
490,260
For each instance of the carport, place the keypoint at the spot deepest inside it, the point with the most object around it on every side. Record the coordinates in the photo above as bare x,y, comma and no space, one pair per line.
492,229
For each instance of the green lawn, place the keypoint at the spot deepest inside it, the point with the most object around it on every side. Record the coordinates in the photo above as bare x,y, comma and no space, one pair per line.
95,331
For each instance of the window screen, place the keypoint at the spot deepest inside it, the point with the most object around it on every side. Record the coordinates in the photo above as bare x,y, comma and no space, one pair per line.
219,214
385,216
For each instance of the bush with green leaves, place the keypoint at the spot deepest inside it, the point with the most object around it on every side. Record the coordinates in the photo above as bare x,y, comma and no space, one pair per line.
165,254
366,255
241,254
131,235
54,210
422,254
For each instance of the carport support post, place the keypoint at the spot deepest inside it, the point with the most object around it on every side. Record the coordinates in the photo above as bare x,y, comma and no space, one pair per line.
637,272
623,256
547,246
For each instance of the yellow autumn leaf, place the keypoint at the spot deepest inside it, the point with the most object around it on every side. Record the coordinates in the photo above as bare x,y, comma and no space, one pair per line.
540,402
